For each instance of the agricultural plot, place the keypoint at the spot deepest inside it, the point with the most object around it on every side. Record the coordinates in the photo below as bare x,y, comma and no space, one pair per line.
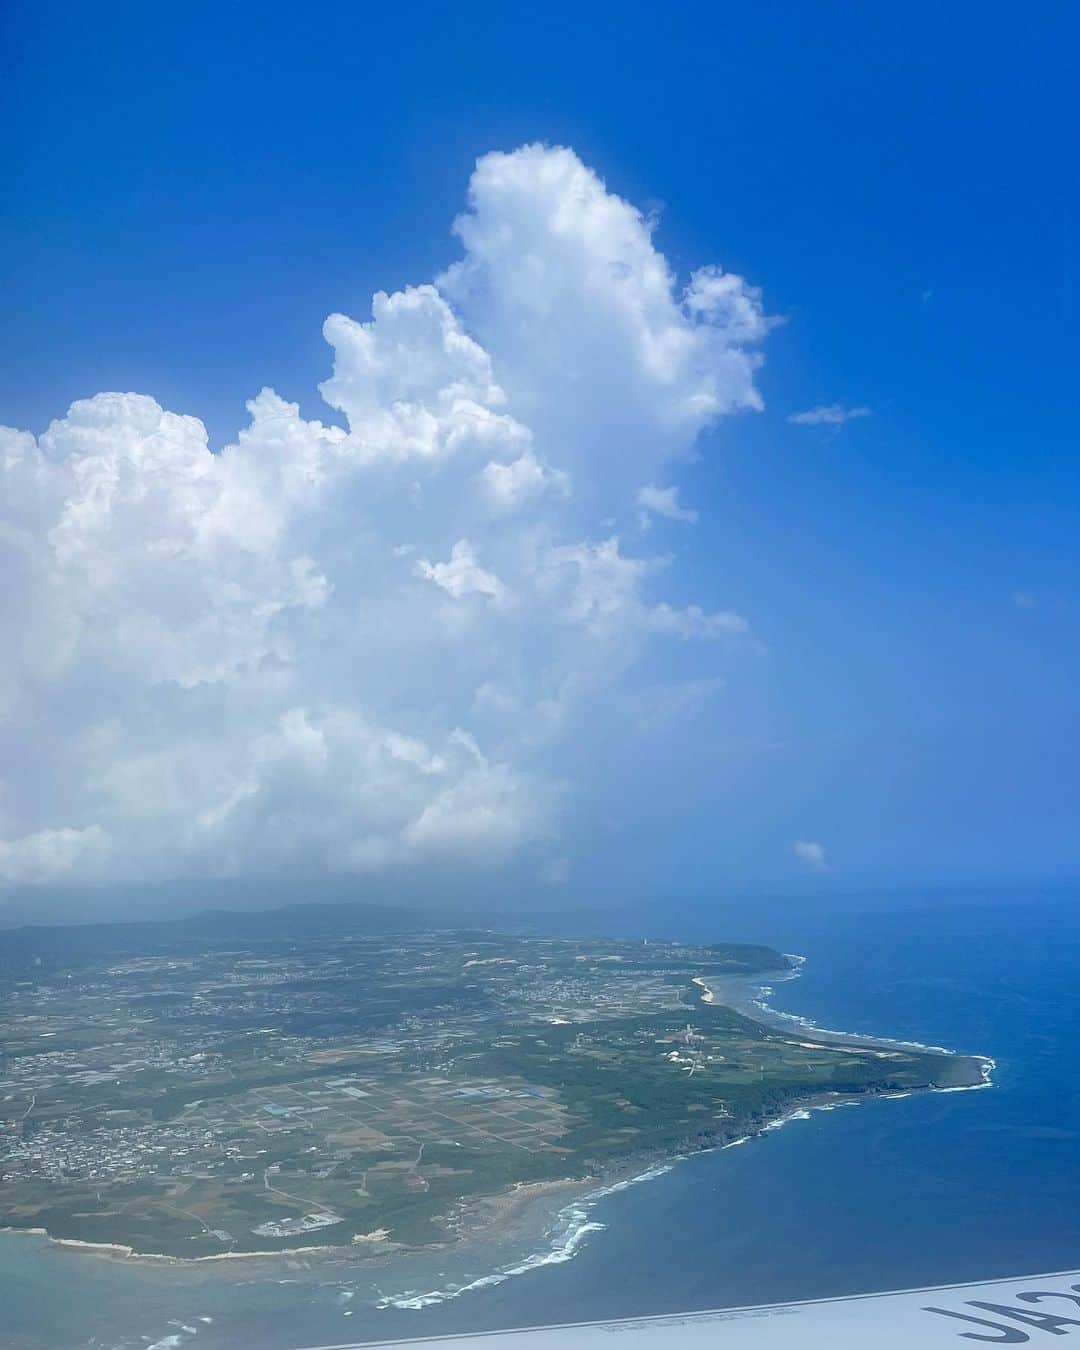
267,1095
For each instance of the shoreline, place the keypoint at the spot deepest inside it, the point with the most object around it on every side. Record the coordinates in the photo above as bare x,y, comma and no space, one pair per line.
120,1251
501,1210
735,994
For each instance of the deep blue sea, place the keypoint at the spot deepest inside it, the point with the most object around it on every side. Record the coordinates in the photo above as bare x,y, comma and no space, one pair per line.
886,1194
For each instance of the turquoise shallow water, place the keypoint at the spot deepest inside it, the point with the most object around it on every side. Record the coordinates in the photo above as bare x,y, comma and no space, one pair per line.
885,1194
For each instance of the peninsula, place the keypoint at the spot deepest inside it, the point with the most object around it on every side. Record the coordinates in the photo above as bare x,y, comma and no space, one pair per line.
194,1093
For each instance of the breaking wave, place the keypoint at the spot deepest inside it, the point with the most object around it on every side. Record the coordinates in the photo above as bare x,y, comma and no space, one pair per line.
572,1226
776,1015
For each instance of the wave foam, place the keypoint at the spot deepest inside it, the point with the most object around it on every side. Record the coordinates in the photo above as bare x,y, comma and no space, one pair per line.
572,1226
573,1223
762,1004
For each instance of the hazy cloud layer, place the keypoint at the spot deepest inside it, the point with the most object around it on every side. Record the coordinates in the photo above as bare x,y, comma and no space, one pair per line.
328,649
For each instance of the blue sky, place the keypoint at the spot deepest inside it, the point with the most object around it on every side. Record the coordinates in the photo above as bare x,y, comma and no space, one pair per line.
196,190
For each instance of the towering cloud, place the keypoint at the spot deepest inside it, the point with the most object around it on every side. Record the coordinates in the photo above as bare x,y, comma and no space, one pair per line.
327,649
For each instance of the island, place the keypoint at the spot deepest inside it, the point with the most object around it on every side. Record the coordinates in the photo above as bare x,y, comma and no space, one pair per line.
252,1088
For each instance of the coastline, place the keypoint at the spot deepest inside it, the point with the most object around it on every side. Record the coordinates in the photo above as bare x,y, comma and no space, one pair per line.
557,1242
477,1215
119,1251
749,995
505,1214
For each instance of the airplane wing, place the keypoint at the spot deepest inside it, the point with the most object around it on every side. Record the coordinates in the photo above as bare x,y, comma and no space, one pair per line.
996,1312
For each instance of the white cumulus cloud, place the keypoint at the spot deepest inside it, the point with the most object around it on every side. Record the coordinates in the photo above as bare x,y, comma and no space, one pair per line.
351,648
600,351
658,501
462,574
811,854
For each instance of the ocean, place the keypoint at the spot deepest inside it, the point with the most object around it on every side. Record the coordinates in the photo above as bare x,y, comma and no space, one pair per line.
930,1189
